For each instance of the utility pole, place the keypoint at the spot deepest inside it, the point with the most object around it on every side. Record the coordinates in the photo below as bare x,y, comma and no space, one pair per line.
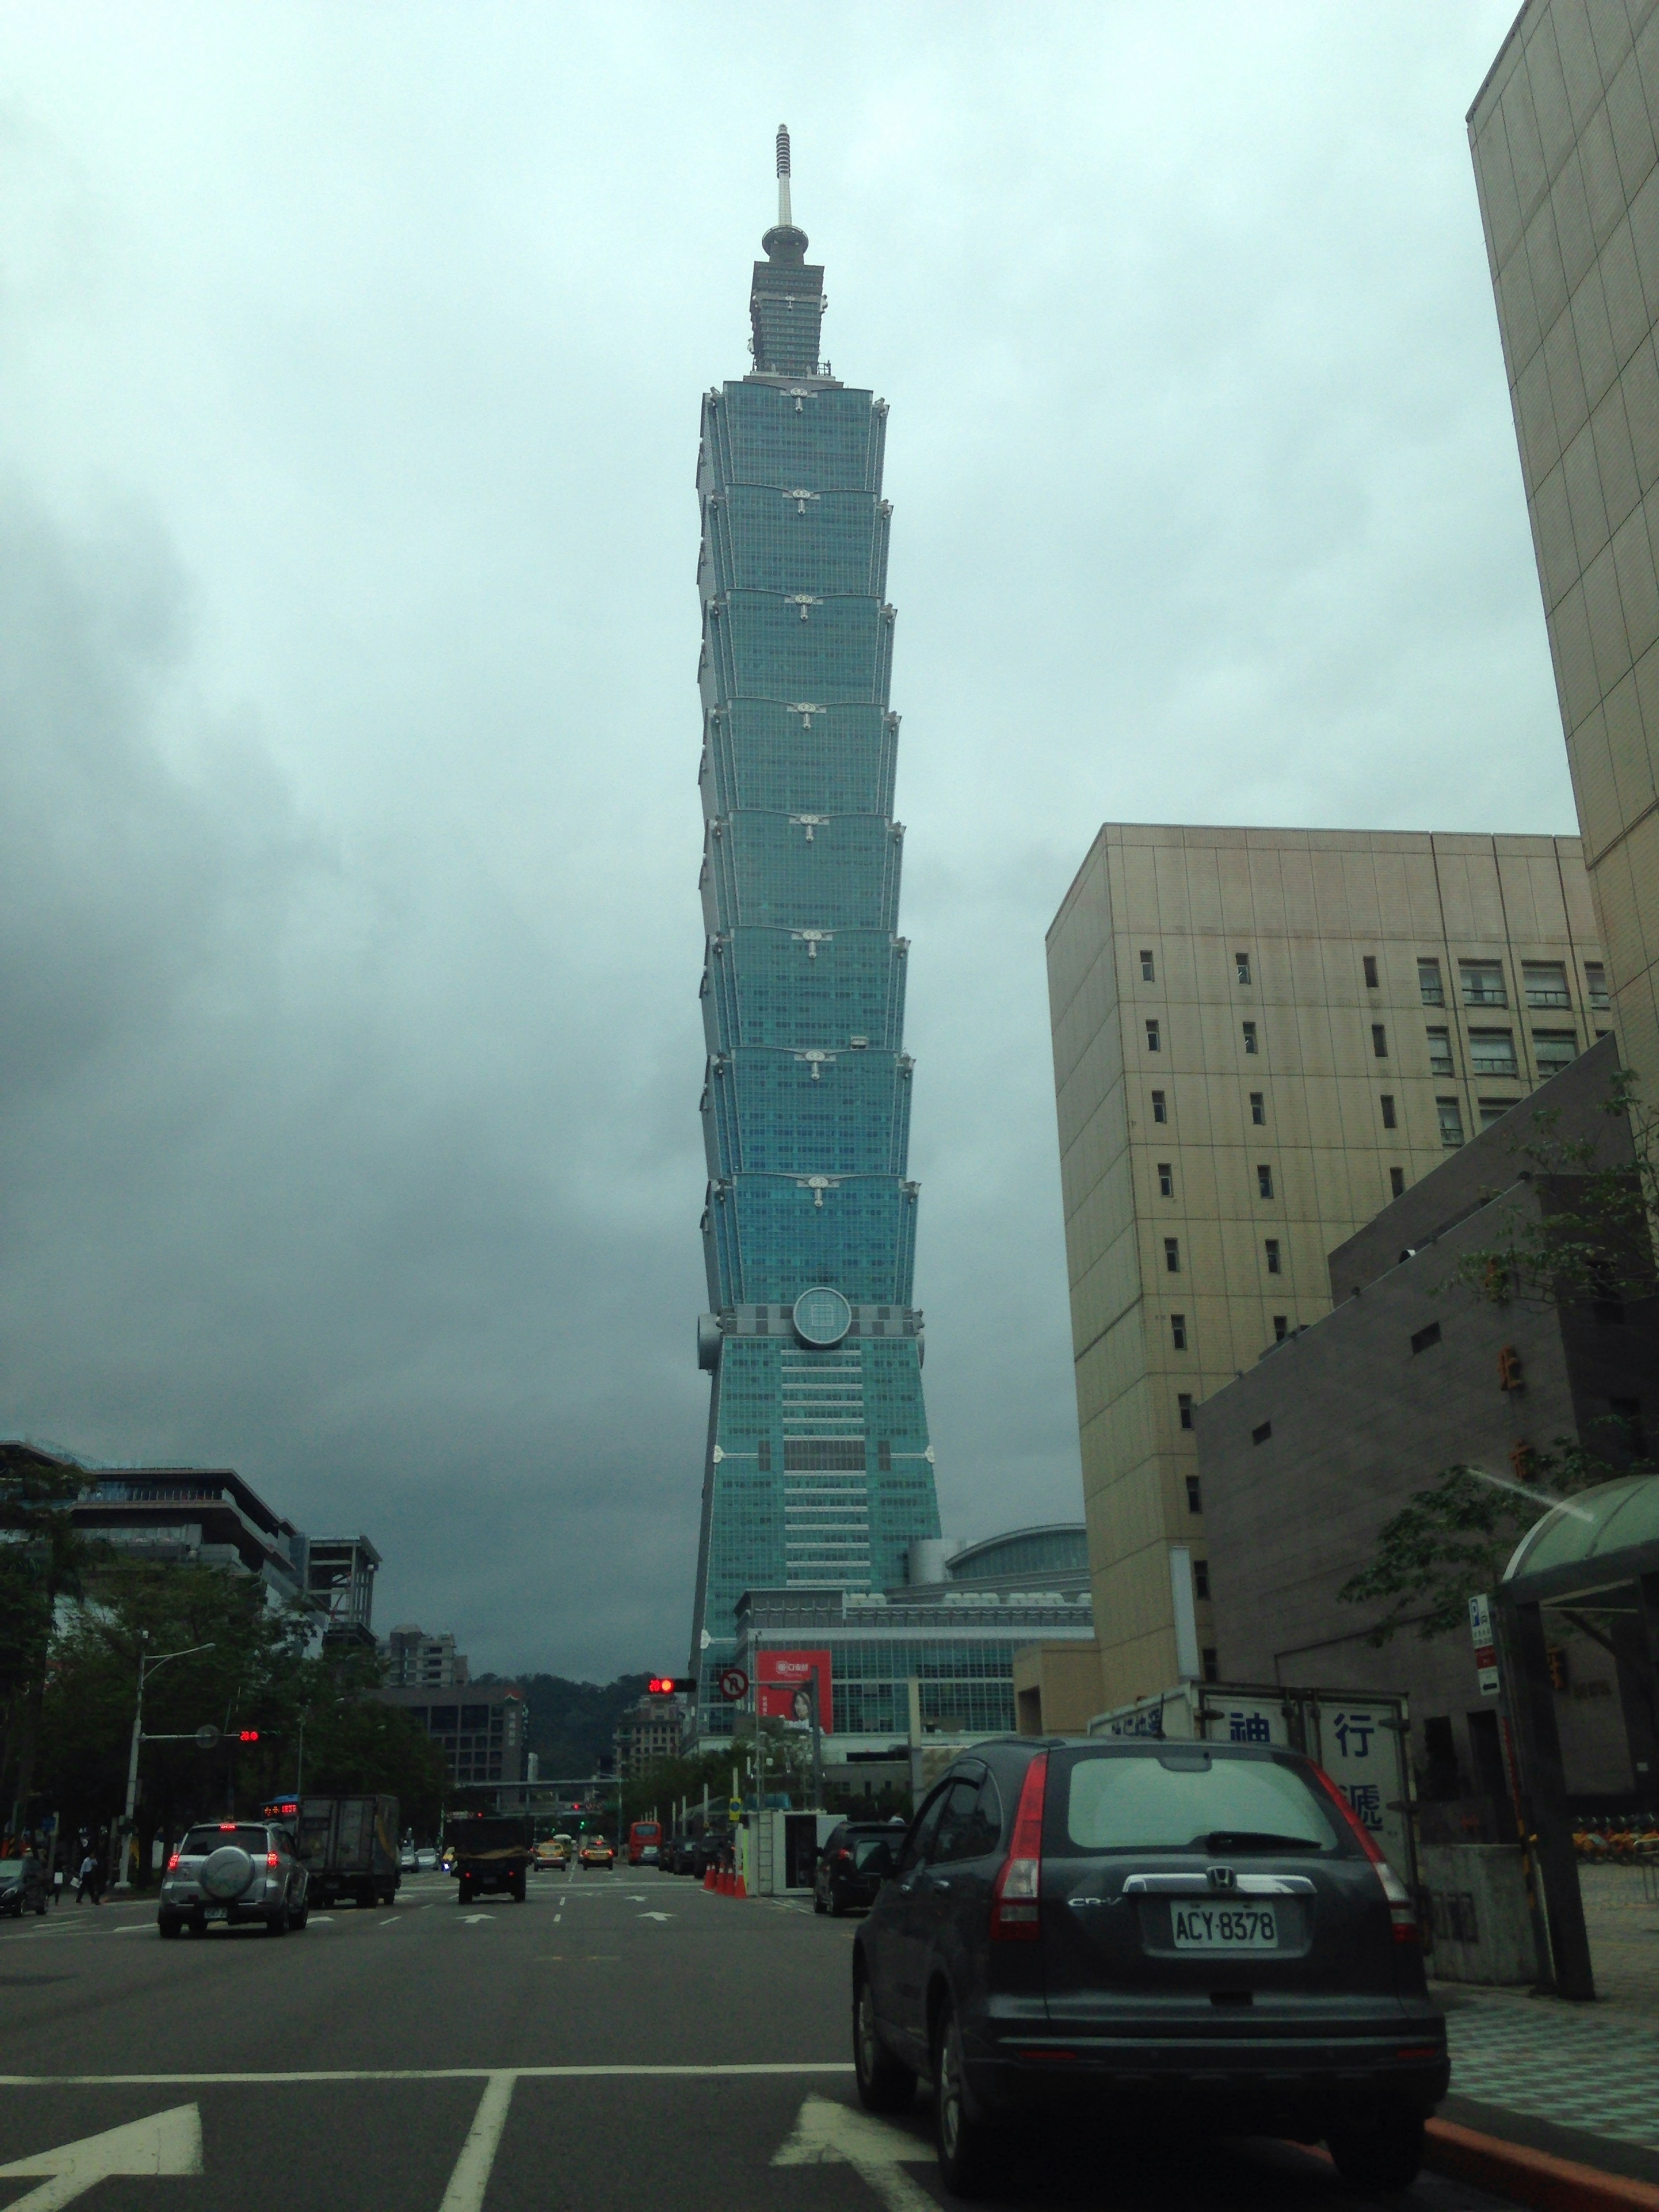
146,1665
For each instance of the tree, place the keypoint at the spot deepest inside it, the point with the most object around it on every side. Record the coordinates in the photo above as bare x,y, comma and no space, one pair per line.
1587,1238
1456,1538
44,1557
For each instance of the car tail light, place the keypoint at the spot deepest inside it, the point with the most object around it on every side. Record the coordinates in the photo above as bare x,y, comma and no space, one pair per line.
227,1827
273,1860
1015,1908
172,1863
1402,1913
846,1855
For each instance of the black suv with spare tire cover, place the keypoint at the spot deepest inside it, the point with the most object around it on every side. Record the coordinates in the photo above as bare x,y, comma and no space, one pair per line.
234,1872
1187,1934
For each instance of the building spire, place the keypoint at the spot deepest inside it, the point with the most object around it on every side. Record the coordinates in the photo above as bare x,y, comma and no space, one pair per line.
785,219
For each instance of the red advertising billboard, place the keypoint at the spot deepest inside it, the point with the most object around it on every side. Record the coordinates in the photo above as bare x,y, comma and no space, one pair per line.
781,1687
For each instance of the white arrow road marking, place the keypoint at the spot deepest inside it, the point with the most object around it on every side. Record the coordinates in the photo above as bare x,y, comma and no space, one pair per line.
467,2184
166,2142
654,1916
473,1918
827,2134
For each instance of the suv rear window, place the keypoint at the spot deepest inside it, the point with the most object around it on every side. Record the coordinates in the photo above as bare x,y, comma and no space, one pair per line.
200,1841
1152,1803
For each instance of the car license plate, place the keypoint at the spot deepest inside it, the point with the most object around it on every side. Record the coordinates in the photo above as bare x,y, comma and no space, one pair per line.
215,1911
1223,1928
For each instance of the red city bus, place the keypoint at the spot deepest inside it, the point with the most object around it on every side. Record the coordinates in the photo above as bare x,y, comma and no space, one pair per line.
643,1836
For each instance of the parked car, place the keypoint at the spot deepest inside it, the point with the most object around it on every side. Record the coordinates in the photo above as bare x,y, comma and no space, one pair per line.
597,1851
855,1859
1191,1933
426,1859
22,1886
236,1871
407,1860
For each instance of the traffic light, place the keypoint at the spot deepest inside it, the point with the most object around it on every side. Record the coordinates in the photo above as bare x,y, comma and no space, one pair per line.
247,1735
672,1685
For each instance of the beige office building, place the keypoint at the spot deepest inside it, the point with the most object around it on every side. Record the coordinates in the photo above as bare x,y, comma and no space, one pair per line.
1566,138
1260,1036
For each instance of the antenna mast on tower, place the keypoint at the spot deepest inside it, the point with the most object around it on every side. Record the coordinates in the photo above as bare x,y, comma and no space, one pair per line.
786,220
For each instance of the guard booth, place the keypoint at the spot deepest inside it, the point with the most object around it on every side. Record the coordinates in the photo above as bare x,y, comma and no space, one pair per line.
779,1849
1592,1561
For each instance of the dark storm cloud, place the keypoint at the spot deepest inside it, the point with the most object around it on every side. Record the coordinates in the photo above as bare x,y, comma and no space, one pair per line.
349,376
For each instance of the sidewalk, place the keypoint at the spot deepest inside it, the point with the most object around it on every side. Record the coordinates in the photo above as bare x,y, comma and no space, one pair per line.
1579,2082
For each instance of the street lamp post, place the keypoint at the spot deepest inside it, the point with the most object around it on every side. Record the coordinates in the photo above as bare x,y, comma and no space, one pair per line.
146,1666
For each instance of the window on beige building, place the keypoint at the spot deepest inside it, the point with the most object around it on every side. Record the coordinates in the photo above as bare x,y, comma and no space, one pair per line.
1492,1052
1274,1263
1546,983
1154,1037
1259,1109
1483,982
1451,1120
1555,1049
1184,1410
1390,1120
1494,1109
1371,971
1440,1052
1250,1038
1148,974
1264,1182
1429,984
1160,1108
1241,963
1595,984
1379,1040
1165,1179
1172,1254
1396,1182
1178,1331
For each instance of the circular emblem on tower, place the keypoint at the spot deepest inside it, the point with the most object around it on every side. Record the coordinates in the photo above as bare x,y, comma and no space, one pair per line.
823,1317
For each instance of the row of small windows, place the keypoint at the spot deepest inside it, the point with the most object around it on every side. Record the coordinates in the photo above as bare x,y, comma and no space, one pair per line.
1482,982
1272,1249
1178,1336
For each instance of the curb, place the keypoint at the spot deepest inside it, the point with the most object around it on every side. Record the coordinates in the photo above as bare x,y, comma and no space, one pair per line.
1535,2178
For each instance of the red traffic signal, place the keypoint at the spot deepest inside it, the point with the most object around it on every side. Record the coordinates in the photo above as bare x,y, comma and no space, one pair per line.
248,1735
669,1685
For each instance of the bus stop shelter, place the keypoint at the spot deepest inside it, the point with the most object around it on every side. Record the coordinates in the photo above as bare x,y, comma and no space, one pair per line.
1593,1560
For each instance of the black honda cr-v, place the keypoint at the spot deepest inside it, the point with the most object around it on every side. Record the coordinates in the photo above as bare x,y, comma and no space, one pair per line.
1200,1936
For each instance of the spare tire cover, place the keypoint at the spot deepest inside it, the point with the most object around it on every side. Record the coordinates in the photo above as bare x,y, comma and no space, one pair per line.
227,1873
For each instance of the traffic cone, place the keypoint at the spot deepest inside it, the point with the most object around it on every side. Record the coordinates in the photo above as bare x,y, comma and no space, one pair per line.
709,1877
737,1887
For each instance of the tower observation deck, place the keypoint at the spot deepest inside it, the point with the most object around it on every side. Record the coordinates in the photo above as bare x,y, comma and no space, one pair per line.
819,1473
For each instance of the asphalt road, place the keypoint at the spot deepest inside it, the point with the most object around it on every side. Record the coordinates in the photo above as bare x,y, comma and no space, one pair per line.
619,2041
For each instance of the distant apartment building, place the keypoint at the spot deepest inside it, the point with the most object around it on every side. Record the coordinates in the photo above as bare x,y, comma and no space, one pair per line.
1565,134
648,1732
1262,1038
480,1730
414,1659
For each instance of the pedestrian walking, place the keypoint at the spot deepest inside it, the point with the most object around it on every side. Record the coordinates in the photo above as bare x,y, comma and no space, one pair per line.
58,1885
88,1880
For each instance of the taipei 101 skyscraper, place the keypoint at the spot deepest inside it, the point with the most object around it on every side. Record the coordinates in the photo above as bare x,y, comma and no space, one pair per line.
819,1473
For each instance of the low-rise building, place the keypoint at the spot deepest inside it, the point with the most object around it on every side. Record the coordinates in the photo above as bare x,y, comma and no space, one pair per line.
1307,1454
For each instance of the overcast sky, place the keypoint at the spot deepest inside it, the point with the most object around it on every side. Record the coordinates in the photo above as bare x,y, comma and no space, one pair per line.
350,368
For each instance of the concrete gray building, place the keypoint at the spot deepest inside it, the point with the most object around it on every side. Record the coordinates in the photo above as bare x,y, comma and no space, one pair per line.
1565,134
479,1728
1312,1449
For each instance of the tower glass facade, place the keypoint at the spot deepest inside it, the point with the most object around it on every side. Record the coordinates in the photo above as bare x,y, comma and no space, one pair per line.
819,1472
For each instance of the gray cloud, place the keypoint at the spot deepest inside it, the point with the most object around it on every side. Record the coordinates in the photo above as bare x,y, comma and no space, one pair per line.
349,374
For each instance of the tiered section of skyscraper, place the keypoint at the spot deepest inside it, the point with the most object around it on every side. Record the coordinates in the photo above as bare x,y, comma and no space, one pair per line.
819,1472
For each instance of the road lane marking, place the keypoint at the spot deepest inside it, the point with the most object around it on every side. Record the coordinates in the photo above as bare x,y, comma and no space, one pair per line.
830,2134
467,2184
165,2143
654,1916
389,1923
473,1918
423,2074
